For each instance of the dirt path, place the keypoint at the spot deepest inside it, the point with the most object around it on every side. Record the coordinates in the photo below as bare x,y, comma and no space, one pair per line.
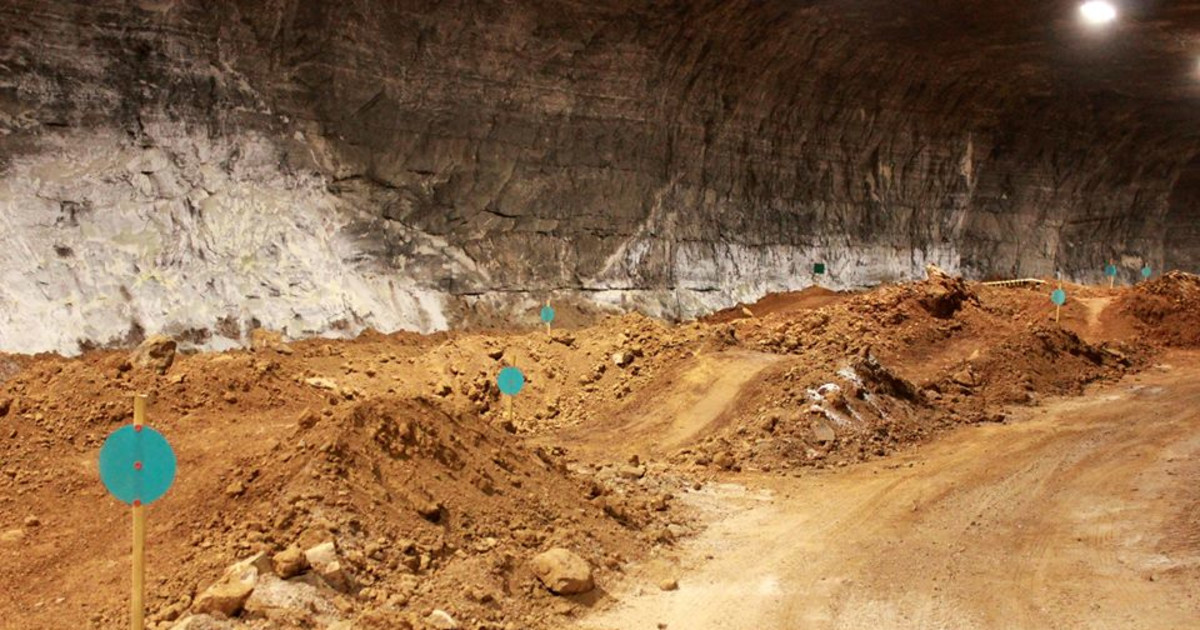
1084,515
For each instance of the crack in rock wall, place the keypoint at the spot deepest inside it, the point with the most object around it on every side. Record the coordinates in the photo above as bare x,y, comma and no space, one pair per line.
315,167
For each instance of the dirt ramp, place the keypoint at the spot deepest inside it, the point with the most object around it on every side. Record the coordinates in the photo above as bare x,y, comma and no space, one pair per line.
684,404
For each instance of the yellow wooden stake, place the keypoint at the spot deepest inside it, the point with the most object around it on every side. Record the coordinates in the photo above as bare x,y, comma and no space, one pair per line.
508,404
1057,310
138,604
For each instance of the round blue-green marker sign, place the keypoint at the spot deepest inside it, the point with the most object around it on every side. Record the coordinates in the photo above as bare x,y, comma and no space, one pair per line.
1146,271
1111,271
1059,297
137,465
547,314
510,380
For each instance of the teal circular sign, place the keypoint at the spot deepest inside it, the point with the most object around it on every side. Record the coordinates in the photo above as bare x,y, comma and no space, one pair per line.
1146,271
137,465
547,314
511,380
1059,297
1111,271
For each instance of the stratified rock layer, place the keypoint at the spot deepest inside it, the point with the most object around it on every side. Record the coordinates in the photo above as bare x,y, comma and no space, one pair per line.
205,169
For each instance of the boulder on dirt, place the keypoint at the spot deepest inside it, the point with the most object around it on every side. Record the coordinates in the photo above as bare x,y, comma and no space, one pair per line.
563,572
290,562
230,593
324,561
622,359
156,352
277,599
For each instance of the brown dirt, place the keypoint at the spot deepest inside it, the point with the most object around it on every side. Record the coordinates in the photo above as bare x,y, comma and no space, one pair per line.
1080,514
353,440
778,303
1166,309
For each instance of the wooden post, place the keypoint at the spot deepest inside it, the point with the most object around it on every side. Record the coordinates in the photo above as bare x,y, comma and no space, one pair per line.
508,404
1057,310
138,603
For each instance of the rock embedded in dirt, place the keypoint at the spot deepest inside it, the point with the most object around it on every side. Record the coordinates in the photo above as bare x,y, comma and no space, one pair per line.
622,359
156,352
325,562
229,594
322,383
668,584
285,600
441,620
563,572
290,562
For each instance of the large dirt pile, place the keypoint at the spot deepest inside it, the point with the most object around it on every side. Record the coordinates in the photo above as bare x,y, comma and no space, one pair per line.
878,371
424,503
1040,361
1167,309
427,510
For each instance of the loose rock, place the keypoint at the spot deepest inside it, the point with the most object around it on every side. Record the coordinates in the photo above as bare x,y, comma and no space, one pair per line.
563,572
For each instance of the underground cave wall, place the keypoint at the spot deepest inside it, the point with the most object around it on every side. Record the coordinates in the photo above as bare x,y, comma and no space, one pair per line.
318,167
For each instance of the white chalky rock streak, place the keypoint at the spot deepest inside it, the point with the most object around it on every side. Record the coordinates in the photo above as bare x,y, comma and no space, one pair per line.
101,238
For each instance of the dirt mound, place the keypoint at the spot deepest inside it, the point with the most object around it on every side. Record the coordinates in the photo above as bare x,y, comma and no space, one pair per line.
432,510
1041,361
427,503
1167,309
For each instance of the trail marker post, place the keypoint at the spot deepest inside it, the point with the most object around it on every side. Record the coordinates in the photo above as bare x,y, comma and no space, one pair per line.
1146,272
547,315
1059,297
1111,272
510,380
137,466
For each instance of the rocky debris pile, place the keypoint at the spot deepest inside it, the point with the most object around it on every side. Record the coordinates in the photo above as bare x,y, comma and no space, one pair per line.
416,516
1167,309
1041,361
887,320
291,589
809,415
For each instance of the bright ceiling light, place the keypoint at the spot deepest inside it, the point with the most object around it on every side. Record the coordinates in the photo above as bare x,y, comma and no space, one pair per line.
1098,11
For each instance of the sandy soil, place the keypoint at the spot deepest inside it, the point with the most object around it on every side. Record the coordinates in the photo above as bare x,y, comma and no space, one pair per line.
1077,515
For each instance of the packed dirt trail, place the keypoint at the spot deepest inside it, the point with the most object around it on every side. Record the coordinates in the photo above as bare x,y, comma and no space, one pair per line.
686,402
1080,514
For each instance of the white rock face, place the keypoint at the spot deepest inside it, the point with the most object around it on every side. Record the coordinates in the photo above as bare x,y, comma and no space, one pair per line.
192,237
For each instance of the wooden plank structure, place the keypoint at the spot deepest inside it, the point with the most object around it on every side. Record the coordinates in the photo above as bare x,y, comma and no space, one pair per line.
1021,282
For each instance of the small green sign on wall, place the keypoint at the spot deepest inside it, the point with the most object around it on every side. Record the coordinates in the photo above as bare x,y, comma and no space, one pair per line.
819,269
